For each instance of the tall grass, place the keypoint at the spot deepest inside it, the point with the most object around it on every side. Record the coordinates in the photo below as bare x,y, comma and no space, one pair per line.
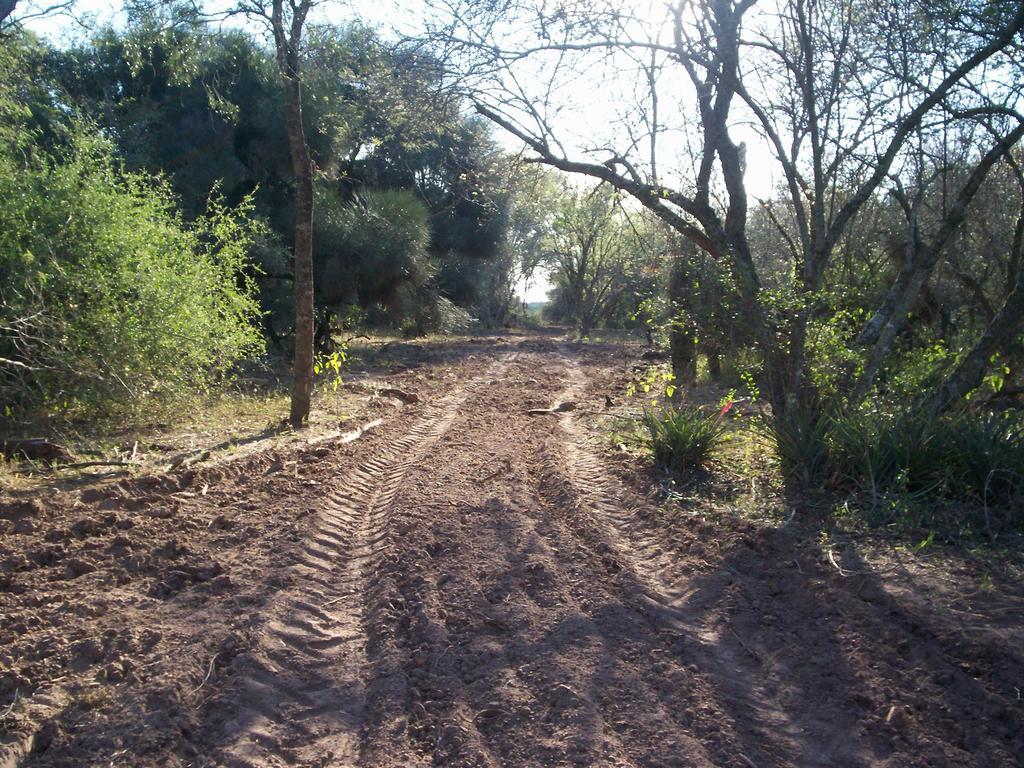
800,439
975,458
684,440
962,471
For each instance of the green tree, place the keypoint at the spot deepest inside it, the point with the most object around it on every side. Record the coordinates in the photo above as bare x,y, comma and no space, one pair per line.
592,251
109,296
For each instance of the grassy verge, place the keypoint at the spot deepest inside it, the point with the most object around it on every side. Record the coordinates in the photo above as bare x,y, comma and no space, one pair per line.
958,479
240,417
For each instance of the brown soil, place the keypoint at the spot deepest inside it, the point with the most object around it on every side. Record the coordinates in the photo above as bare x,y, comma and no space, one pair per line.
470,584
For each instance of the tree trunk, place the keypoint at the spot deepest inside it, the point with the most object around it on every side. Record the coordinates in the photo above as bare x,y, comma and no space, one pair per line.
1000,333
323,341
682,337
890,319
714,363
302,168
7,8
683,345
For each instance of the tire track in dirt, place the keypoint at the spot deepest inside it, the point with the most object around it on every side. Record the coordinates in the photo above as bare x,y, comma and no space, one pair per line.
739,674
477,587
511,644
299,697
620,510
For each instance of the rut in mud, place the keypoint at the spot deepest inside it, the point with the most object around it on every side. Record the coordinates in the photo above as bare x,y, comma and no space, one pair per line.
473,585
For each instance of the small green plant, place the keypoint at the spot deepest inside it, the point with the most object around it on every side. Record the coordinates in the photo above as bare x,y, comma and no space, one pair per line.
656,376
912,464
330,366
747,377
649,314
684,440
926,542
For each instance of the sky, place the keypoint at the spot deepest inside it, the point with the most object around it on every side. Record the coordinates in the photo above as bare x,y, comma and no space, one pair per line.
583,114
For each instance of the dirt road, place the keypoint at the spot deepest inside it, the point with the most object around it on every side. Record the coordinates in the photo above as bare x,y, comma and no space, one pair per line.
471,585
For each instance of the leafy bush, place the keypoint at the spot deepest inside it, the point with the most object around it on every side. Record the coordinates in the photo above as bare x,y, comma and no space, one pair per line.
684,440
108,295
434,313
374,250
832,363
917,368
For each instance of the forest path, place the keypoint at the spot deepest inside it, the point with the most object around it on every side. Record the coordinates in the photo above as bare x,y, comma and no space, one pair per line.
473,585
531,611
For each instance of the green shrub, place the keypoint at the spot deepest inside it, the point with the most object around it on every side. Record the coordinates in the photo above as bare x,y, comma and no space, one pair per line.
683,440
433,313
108,296
975,460
373,248
876,453
799,437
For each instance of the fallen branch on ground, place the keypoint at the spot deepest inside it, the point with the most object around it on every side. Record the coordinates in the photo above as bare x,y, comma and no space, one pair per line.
205,679
568,405
406,397
506,468
844,573
188,459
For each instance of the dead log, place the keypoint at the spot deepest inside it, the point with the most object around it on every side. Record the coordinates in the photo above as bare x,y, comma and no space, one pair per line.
36,449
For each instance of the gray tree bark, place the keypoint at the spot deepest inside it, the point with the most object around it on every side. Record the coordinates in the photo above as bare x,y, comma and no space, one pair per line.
891,317
1001,332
